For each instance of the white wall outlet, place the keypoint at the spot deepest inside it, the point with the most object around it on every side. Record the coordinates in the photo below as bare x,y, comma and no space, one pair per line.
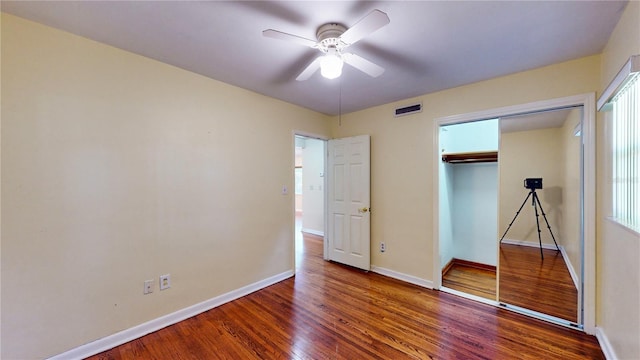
383,247
148,287
165,281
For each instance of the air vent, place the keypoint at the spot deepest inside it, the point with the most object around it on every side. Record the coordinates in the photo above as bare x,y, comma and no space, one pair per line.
407,110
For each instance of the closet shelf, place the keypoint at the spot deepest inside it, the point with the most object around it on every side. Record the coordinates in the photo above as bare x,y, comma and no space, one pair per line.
470,157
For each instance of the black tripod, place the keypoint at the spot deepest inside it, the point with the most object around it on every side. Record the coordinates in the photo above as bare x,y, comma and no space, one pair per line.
535,202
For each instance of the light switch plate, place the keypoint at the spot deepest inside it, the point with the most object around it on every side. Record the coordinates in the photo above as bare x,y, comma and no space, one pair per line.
165,281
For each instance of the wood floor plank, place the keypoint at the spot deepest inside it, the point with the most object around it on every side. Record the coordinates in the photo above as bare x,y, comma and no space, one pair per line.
526,280
471,280
543,285
330,311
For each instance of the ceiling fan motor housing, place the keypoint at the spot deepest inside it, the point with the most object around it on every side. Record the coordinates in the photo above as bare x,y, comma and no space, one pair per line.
332,39
329,37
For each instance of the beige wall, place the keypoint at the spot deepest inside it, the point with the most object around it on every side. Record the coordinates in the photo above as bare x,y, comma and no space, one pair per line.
618,314
402,205
117,169
531,154
97,198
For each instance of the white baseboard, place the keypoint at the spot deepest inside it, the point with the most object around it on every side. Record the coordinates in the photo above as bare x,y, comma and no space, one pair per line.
313,232
565,256
403,277
138,331
572,271
607,349
469,296
528,243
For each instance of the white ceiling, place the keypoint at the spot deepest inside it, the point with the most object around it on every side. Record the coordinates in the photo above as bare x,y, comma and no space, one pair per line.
427,46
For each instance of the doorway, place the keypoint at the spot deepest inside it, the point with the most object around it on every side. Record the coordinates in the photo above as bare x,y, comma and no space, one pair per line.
468,207
584,201
309,170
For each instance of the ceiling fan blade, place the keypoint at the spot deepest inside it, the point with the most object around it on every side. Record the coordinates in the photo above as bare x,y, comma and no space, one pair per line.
289,37
363,64
312,68
367,25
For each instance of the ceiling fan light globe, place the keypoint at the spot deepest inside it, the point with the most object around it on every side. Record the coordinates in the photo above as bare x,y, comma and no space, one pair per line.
331,66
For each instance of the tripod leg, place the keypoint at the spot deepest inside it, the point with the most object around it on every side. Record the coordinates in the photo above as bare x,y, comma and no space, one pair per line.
535,207
514,218
535,197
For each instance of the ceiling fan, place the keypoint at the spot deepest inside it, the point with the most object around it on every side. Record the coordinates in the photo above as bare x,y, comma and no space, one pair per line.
333,38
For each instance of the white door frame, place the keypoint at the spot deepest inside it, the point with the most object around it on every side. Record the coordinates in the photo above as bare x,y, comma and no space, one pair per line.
588,101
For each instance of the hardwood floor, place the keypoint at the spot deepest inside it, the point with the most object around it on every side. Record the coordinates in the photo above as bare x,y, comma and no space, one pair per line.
540,285
330,311
526,281
471,280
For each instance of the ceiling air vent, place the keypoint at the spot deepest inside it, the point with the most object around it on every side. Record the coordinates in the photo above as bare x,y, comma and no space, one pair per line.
407,110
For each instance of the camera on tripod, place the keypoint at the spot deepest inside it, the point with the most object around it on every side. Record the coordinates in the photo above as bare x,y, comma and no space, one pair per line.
533,183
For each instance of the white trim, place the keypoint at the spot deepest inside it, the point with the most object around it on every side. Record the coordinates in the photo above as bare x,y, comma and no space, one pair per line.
631,67
138,331
622,226
589,214
403,277
572,271
544,105
313,232
325,179
469,296
607,349
588,101
309,135
541,316
437,266
529,243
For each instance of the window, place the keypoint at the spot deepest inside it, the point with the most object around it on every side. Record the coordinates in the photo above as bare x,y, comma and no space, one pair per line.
625,137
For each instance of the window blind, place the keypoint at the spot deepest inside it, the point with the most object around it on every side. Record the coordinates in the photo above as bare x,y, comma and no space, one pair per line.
626,155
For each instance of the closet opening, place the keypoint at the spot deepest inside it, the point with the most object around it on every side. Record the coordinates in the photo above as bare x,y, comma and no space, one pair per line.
482,162
469,207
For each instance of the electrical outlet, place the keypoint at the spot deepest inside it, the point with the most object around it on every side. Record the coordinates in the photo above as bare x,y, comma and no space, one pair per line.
383,247
148,287
165,281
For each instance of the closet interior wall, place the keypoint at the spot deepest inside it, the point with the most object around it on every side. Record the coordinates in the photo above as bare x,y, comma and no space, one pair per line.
469,195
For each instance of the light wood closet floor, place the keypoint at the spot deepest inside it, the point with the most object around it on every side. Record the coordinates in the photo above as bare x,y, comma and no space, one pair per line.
541,285
471,280
526,280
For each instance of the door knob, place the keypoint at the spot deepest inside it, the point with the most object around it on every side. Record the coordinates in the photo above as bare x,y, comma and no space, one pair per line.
364,210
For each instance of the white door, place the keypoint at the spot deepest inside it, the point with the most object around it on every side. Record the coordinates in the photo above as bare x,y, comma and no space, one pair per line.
348,188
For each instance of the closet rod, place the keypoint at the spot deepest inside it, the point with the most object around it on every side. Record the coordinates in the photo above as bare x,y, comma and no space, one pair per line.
470,157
